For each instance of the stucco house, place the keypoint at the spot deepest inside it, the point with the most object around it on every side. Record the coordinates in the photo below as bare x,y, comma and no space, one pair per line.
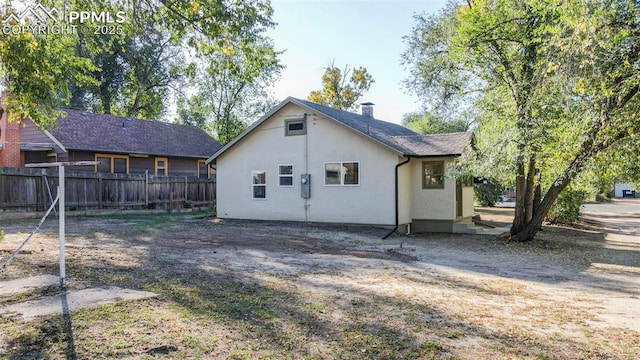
307,162
120,144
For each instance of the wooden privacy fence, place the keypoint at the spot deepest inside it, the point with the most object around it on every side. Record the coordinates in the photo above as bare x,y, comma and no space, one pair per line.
32,189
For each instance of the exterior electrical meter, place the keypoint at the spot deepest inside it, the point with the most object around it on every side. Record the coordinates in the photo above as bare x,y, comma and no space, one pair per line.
305,186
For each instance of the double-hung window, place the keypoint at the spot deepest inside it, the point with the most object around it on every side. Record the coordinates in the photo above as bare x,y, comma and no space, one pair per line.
162,166
285,175
259,184
346,173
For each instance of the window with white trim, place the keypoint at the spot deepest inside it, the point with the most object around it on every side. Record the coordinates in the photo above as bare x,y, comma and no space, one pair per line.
285,175
342,173
259,184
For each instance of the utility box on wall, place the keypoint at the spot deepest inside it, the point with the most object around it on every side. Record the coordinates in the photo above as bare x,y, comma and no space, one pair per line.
305,186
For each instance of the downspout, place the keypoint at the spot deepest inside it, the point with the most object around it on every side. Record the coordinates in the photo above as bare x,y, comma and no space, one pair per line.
397,205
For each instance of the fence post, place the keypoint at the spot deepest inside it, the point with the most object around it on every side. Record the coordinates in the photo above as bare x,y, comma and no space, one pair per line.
146,188
170,202
44,192
186,191
100,190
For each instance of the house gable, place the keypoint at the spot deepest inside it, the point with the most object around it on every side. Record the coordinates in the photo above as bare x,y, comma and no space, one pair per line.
267,147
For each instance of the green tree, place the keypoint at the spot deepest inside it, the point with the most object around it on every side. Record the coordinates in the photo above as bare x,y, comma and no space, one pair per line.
135,71
42,71
34,69
232,86
429,123
341,89
557,84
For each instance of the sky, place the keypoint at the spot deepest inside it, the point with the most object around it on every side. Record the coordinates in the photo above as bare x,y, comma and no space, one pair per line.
356,33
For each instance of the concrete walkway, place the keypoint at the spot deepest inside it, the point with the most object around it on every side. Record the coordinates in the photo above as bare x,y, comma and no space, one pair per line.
66,302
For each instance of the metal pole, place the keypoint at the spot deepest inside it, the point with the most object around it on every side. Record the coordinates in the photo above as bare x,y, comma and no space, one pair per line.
61,226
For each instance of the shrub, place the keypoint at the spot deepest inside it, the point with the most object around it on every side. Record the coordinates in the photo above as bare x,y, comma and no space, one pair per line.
488,194
603,197
566,209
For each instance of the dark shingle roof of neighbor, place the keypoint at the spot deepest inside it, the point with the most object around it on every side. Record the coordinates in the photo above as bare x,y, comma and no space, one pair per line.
116,134
396,137
401,139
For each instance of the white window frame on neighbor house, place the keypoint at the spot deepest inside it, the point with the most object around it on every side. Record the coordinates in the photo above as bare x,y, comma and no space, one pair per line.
427,184
342,175
254,184
281,175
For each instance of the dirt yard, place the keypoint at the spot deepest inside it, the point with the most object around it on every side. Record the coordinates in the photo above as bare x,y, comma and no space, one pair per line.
252,290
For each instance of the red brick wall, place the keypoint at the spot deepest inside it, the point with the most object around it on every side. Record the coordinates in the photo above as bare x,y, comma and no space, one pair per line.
10,155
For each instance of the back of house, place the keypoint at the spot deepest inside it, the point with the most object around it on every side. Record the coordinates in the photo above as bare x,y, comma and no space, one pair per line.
307,162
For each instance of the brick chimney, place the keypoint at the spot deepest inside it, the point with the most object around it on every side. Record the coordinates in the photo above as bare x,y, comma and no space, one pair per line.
367,109
10,155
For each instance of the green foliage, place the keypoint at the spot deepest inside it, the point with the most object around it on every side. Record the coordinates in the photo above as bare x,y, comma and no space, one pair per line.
554,84
232,87
34,69
566,209
488,194
428,123
341,89
133,71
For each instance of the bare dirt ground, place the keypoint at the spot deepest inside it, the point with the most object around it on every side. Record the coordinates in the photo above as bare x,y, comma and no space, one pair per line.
248,289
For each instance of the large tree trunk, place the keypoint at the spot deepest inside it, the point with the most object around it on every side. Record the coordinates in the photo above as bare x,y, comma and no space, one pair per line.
540,210
525,186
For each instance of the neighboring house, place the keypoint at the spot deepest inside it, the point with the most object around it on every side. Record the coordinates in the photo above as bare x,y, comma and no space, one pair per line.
624,190
307,162
122,145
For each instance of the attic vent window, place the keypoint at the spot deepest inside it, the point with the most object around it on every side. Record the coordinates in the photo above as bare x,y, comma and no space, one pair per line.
294,127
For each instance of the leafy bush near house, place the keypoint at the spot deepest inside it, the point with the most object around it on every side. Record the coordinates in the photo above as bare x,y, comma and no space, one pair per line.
488,194
1,235
566,209
603,197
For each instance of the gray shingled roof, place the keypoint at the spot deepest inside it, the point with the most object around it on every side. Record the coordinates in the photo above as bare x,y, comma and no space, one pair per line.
396,137
115,134
434,145
403,140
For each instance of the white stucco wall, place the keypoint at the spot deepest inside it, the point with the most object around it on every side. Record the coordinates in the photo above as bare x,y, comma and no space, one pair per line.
467,201
266,147
619,187
432,204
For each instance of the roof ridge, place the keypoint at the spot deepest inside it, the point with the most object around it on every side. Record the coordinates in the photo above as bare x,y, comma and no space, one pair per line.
438,134
129,118
347,112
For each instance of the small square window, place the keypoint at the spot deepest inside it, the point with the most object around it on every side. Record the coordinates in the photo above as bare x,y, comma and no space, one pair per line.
119,166
295,127
104,164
